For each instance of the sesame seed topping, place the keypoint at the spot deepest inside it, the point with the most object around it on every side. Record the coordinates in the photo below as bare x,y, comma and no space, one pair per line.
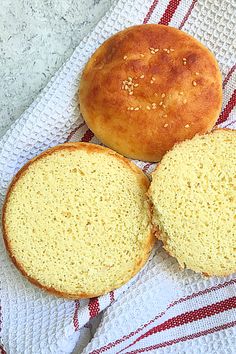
164,106
141,55
154,105
172,50
125,57
163,95
166,125
151,82
161,103
148,107
141,77
185,100
194,83
128,85
184,59
165,115
153,78
136,109
184,63
155,94
197,73
186,126
153,50
165,50
181,93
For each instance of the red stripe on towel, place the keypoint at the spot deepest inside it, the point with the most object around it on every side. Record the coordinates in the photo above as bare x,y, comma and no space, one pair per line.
169,12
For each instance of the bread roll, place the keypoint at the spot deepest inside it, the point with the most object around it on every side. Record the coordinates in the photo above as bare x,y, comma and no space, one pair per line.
148,87
194,203
76,220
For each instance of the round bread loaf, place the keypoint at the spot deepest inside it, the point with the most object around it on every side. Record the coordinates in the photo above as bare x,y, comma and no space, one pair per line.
76,220
147,88
193,192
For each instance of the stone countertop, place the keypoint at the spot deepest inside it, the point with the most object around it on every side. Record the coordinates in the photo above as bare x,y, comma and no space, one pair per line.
36,38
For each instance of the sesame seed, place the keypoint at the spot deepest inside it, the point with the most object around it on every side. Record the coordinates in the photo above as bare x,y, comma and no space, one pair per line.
136,109
181,93
130,78
168,51
184,59
151,48
172,50
184,63
142,76
166,125
165,50
186,126
148,107
131,108
156,50
131,92
135,85
151,82
194,83
153,78
185,101
152,51
197,73
163,95
141,55
161,103
164,106
155,94
125,57
165,115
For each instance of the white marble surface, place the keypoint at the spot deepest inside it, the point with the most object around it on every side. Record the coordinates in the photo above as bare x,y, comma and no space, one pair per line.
36,37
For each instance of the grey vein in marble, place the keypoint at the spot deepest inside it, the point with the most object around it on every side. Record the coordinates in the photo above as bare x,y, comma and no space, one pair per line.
36,37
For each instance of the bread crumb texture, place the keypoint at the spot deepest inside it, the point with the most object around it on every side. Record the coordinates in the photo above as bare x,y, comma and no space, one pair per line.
77,220
193,191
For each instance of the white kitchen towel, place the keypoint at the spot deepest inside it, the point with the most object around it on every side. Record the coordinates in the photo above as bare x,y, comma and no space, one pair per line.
163,309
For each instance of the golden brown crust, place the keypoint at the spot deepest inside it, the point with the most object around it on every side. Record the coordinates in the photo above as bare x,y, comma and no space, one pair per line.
144,182
193,92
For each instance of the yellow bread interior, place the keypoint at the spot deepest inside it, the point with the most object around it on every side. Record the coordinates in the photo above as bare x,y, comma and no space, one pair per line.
76,220
193,192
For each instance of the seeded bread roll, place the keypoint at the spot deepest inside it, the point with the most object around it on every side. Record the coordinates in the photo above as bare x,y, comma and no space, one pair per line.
76,220
148,87
194,203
